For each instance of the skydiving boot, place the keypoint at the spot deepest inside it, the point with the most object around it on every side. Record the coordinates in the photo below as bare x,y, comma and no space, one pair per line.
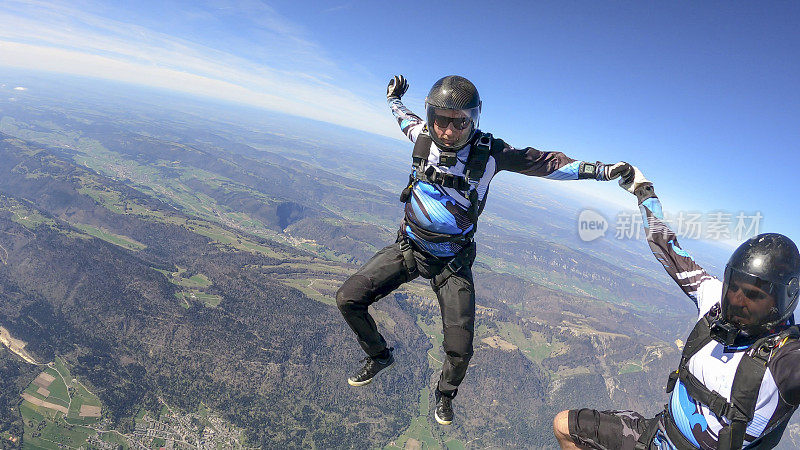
444,408
371,368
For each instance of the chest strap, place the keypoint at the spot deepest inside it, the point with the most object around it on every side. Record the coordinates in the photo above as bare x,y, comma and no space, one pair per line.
422,172
474,169
448,180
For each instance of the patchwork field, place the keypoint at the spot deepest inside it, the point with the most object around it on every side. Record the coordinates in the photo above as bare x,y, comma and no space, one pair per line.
57,409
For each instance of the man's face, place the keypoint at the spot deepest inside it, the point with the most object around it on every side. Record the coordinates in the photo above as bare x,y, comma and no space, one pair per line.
450,125
748,304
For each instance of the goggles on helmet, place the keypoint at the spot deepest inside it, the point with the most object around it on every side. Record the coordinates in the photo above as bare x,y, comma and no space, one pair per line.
463,122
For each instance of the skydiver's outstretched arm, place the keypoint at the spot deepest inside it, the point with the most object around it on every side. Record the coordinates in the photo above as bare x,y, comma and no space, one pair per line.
554,165
410,123
663,241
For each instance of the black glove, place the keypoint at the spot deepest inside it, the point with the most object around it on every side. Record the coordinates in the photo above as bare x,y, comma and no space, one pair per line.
397,87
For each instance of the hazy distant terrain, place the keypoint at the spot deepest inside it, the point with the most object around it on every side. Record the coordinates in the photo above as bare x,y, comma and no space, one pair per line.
180,253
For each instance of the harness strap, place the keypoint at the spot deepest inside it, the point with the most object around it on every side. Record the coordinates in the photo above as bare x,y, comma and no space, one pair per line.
744,393
697,390
423,172
674,434
405,196
408,256
673,378
432,236
422,147
473,209
698,338
419,157
448,180
482,146
646,438
478,157
462,259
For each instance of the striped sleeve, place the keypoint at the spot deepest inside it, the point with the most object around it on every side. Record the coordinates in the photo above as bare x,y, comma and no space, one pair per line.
410,123
664,245
533,162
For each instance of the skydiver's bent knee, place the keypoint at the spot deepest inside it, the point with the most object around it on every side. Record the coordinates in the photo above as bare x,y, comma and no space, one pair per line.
458,342
604,430
561,425
354,292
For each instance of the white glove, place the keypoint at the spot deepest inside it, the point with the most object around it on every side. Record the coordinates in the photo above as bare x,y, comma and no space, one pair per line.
614,170
631,183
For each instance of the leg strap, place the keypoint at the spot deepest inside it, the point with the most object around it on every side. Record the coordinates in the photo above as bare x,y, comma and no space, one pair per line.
643,443
408,257
462,259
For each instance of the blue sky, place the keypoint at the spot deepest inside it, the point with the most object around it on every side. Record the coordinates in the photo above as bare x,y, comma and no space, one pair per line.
702,96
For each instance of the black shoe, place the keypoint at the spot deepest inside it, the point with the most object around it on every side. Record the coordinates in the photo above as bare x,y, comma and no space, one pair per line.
444,409
371,368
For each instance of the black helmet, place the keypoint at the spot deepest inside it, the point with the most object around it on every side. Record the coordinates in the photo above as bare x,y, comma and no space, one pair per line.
760,287
453,93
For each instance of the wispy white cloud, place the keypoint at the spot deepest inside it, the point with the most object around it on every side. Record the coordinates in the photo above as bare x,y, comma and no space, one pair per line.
343,6
272,65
